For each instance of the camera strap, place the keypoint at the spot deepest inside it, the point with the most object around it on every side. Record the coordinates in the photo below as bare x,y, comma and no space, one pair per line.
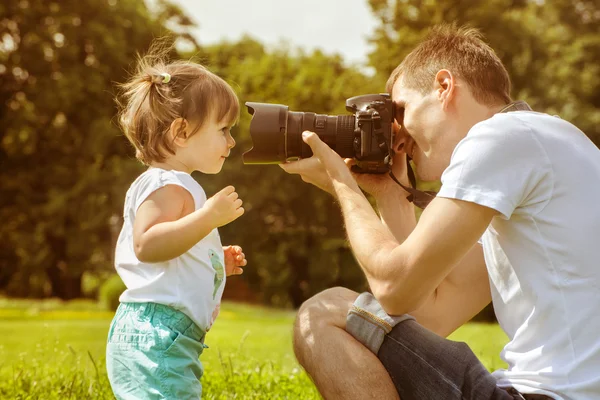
419,198
422,198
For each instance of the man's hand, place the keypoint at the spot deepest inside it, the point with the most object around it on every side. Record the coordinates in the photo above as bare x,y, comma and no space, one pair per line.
324,168
325,164
380,184
311,170
234,260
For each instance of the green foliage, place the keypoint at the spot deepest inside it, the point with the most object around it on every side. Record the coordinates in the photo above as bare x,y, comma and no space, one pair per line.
250,354
65,166
110,292
68,166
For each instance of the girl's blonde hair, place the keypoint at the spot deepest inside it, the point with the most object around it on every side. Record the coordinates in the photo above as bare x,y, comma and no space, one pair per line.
159,92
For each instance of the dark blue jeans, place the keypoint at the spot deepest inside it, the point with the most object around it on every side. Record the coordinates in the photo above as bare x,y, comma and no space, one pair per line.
423,365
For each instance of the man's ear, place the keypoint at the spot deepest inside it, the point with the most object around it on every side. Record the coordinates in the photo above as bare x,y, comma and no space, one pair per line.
400,138
178,132
445,85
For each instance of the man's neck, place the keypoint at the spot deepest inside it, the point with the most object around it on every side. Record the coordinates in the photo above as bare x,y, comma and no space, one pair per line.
478,112
475,112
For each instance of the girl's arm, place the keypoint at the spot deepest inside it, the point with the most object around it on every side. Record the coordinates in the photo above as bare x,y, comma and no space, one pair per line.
166,224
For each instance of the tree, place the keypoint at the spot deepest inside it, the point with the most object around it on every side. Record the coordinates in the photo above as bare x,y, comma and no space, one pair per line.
64,165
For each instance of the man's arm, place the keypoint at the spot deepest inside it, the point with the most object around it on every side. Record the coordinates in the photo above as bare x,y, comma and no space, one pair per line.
404,275
396,212
462,294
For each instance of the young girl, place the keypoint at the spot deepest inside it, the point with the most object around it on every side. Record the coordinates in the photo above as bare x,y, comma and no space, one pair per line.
178,117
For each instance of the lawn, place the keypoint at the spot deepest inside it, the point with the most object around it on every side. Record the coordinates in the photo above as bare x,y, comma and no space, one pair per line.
55,351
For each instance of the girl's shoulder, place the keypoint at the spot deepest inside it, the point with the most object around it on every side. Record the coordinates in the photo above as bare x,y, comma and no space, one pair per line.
158,177
155,178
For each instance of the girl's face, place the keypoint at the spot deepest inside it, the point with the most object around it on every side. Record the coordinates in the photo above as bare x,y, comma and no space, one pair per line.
207,149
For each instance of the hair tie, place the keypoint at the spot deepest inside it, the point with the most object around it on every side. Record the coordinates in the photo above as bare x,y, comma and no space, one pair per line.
166,77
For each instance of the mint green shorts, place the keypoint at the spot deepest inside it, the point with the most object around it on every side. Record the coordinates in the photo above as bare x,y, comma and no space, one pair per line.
153,353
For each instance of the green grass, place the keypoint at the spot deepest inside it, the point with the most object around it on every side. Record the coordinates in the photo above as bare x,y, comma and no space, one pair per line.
55,351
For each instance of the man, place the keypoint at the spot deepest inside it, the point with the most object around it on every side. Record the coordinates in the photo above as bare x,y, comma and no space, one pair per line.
516,222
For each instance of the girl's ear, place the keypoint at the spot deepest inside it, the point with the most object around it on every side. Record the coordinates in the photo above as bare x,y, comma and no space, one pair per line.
178,132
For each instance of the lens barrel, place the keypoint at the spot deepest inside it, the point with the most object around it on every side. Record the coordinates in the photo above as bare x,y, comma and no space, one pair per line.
336,131
276,133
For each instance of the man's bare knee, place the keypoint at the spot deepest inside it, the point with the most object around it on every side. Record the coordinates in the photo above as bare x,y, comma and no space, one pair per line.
339,365
322,312
327,308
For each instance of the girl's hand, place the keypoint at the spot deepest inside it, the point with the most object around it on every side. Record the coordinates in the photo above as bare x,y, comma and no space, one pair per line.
225,206
234,260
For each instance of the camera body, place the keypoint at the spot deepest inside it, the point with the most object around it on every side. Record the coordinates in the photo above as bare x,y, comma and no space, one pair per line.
373,132
366,136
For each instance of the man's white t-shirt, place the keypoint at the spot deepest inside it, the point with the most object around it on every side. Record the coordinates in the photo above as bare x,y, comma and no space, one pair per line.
542,250
191,283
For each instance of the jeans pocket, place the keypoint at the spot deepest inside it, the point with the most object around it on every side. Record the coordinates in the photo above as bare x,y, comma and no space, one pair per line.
172,341
184,346
180,367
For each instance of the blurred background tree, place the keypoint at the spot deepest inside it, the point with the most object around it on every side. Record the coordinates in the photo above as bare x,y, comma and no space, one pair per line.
65,167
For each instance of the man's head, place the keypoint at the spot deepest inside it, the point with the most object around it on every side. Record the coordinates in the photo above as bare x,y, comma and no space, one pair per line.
451,81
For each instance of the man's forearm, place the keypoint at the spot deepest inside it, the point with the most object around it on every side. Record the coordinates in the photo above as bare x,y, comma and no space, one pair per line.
397,213
392,276
369,237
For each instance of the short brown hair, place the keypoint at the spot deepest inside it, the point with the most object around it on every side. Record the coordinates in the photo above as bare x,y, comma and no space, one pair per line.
160,92
463,52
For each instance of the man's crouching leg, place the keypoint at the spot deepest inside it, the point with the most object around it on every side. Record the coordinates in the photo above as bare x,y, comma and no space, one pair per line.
422,365
339,365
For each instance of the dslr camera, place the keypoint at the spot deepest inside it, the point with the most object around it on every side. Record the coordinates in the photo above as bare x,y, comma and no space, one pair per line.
366,135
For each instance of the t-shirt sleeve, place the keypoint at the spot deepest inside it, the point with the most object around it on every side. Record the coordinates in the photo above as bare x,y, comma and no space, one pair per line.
499,164
153,181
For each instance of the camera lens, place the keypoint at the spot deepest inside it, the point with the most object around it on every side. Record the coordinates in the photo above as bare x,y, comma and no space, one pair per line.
276,133
336,131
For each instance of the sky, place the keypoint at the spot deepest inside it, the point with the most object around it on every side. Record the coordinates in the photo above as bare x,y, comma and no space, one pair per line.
334,26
